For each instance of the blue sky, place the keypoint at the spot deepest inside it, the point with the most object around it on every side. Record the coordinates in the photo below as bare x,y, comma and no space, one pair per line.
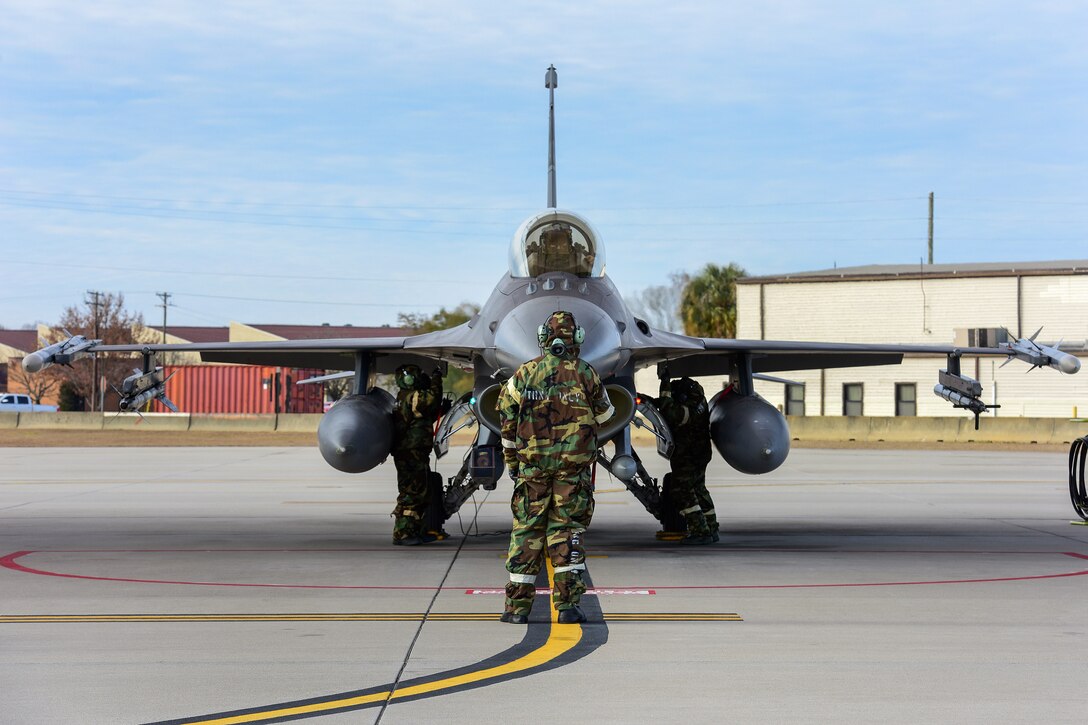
342,161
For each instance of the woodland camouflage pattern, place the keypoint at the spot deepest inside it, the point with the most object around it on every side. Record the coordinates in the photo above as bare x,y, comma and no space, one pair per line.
550,407
549,412
562,509
684,408
413,434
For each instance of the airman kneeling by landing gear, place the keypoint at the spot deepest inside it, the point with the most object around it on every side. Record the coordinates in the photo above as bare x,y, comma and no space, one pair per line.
684,408
419,399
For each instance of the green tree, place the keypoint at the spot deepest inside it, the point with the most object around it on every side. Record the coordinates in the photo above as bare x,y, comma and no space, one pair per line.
457,381
708,304
442,320
67,399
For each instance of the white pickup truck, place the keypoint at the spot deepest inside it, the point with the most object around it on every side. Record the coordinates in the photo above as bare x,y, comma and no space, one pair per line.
19,403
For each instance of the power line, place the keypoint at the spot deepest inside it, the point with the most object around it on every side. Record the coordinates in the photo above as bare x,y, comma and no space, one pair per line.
367,224
216,319
995,200
146,213
318,278
59,198
414,305
411,207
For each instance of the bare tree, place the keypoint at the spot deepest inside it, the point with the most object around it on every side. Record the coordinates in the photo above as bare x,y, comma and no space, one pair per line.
336,389
36,385
660,305
115,326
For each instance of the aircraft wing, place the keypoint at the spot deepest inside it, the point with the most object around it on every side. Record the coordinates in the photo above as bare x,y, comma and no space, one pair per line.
456,346
695,356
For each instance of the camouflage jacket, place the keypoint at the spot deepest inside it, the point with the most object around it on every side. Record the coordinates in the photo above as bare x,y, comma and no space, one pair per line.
415,414
549,412
690,425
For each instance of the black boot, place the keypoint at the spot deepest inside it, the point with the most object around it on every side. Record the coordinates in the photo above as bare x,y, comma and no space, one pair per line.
573,615
512,618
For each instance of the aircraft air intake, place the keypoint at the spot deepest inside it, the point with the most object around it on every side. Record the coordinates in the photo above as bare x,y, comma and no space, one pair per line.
623,403
749,433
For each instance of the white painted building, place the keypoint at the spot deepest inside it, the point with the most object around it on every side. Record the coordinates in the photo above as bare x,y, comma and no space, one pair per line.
939,304
936,304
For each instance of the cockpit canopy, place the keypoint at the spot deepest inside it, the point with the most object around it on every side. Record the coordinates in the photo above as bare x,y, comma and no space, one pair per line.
556,241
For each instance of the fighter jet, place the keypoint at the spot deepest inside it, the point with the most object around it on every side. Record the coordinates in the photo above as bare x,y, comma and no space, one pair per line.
557,262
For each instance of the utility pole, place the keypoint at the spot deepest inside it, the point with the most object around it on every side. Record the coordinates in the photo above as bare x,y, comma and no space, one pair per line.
95,303
165,297
931,227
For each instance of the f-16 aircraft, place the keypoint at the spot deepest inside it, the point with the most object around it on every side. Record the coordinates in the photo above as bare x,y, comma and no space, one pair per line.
557,262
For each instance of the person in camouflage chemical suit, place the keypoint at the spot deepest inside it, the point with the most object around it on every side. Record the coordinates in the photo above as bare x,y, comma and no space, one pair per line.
419,399
684,408
549,413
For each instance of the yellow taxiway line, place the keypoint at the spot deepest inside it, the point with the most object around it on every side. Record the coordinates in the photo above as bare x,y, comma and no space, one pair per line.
561,639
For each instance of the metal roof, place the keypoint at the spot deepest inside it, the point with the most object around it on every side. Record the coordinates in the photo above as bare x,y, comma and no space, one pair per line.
192,333
328,332
25,340
914,271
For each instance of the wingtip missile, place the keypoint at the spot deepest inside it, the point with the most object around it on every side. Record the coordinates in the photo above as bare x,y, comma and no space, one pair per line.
1038,355
62,353
1068,364
38,361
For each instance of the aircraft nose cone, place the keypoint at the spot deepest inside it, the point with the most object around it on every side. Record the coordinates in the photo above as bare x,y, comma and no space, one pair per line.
1069,364
516,335
33,362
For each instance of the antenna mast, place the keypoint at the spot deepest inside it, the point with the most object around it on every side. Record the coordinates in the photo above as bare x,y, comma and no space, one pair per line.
551,82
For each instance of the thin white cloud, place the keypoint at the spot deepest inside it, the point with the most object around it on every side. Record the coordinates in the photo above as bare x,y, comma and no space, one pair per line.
442,104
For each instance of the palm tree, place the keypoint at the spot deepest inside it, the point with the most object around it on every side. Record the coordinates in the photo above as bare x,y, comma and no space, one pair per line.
708,305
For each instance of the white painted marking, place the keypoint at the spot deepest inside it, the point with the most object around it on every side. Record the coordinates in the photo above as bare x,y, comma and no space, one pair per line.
607,592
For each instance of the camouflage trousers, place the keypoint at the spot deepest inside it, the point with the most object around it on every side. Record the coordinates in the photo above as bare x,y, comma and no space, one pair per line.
692,499
552,510
412,471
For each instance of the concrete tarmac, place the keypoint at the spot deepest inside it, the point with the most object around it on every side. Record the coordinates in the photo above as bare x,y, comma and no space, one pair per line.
257,585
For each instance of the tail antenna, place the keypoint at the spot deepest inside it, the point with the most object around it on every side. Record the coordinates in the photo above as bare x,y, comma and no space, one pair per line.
551,82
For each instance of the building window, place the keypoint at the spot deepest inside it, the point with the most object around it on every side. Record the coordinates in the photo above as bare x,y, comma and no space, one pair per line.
906,397
795,399
3,377
851,399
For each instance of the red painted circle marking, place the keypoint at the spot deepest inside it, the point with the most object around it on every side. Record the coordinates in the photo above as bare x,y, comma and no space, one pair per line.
11,561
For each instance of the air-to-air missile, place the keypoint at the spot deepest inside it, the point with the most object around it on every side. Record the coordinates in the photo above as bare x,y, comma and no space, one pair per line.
60,353
144,387
1039,356
960,390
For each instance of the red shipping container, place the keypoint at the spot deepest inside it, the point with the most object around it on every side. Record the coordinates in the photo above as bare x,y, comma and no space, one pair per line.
241,389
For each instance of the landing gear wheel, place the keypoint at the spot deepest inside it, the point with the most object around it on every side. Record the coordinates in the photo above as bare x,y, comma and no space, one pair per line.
435,515
670,517
1078,456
